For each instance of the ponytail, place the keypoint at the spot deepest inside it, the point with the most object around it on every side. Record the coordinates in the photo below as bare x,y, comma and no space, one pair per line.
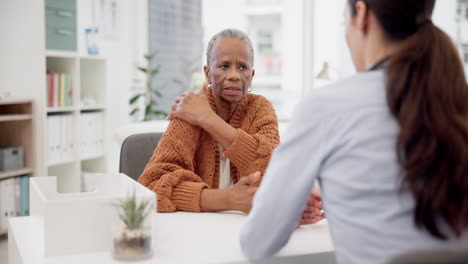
428,95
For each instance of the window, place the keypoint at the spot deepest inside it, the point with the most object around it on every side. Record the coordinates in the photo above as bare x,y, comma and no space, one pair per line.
265,41
465,53
175,36
276,30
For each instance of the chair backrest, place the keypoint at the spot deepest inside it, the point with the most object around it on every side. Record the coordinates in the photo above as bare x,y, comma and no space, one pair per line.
433,256
136,151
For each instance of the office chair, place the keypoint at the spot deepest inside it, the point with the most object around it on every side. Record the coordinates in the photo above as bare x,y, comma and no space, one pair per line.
433,256
135,153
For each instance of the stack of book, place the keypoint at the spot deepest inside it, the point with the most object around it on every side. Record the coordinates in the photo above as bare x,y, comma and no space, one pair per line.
59,89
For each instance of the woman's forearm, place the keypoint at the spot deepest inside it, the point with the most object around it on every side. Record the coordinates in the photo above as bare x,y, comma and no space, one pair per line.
212,200
221,131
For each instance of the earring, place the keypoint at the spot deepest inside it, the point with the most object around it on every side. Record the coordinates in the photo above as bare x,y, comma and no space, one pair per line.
209,86
250,89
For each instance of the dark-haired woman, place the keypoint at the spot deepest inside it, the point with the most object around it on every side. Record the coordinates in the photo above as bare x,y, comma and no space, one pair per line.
388,145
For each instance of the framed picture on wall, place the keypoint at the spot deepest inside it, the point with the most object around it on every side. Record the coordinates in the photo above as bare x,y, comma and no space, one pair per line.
107,18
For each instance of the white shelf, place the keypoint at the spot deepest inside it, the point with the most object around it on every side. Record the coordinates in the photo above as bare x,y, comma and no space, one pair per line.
91,157
13,173
4,118
61,109
92,57
61,54
60,163
93,107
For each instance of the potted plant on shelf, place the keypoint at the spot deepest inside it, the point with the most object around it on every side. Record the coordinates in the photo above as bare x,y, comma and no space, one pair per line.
133,234
147,93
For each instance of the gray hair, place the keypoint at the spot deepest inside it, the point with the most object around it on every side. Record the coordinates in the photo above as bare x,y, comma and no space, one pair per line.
229,34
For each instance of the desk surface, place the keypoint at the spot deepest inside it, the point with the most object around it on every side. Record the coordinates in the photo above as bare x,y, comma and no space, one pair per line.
180,238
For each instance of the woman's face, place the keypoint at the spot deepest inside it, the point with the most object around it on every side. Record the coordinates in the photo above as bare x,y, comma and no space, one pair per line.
230,71
354,36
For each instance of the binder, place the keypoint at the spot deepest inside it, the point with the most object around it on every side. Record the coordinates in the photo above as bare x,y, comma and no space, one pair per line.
3,223
17,196
24,186
64,138
8,200
50,141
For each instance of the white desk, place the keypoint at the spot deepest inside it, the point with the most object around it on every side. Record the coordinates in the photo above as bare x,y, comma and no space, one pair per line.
180,238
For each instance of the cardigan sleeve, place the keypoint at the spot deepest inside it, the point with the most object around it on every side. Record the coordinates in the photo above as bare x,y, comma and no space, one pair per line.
252,147
170,171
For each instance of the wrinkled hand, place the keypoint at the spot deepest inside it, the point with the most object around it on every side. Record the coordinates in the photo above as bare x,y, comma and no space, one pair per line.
242,193
313,211
192,107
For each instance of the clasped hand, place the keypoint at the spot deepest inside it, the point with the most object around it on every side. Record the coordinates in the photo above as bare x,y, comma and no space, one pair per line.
313,211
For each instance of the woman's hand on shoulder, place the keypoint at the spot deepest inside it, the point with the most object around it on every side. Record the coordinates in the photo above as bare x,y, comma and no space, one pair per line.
193,108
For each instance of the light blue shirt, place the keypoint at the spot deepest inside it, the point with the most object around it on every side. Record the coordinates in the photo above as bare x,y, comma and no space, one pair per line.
344,136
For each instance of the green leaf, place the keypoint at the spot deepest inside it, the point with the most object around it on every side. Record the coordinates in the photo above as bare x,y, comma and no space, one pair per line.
134,111
143,69
161,113
147,112
157,93
133,213
135,98
154,71
149,57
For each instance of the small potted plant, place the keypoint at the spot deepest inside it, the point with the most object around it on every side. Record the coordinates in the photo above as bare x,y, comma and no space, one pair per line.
133,235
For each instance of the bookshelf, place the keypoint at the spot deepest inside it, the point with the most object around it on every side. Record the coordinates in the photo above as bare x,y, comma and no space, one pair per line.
27,53
88,99
16,126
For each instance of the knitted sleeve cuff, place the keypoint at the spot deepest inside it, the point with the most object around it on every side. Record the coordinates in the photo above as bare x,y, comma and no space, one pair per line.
243,150
186,196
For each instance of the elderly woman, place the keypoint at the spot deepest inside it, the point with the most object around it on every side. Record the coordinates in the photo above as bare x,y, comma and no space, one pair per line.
216,137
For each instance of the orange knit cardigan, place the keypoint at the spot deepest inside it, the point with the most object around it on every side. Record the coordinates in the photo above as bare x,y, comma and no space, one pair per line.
186,159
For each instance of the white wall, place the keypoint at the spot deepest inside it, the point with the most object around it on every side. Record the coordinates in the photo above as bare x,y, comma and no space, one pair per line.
330,45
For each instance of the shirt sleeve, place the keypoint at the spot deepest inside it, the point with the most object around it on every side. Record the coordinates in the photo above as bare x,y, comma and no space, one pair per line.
288,181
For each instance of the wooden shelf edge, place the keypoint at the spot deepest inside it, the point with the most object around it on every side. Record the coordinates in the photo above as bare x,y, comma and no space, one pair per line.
8,101
8,174
4,118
